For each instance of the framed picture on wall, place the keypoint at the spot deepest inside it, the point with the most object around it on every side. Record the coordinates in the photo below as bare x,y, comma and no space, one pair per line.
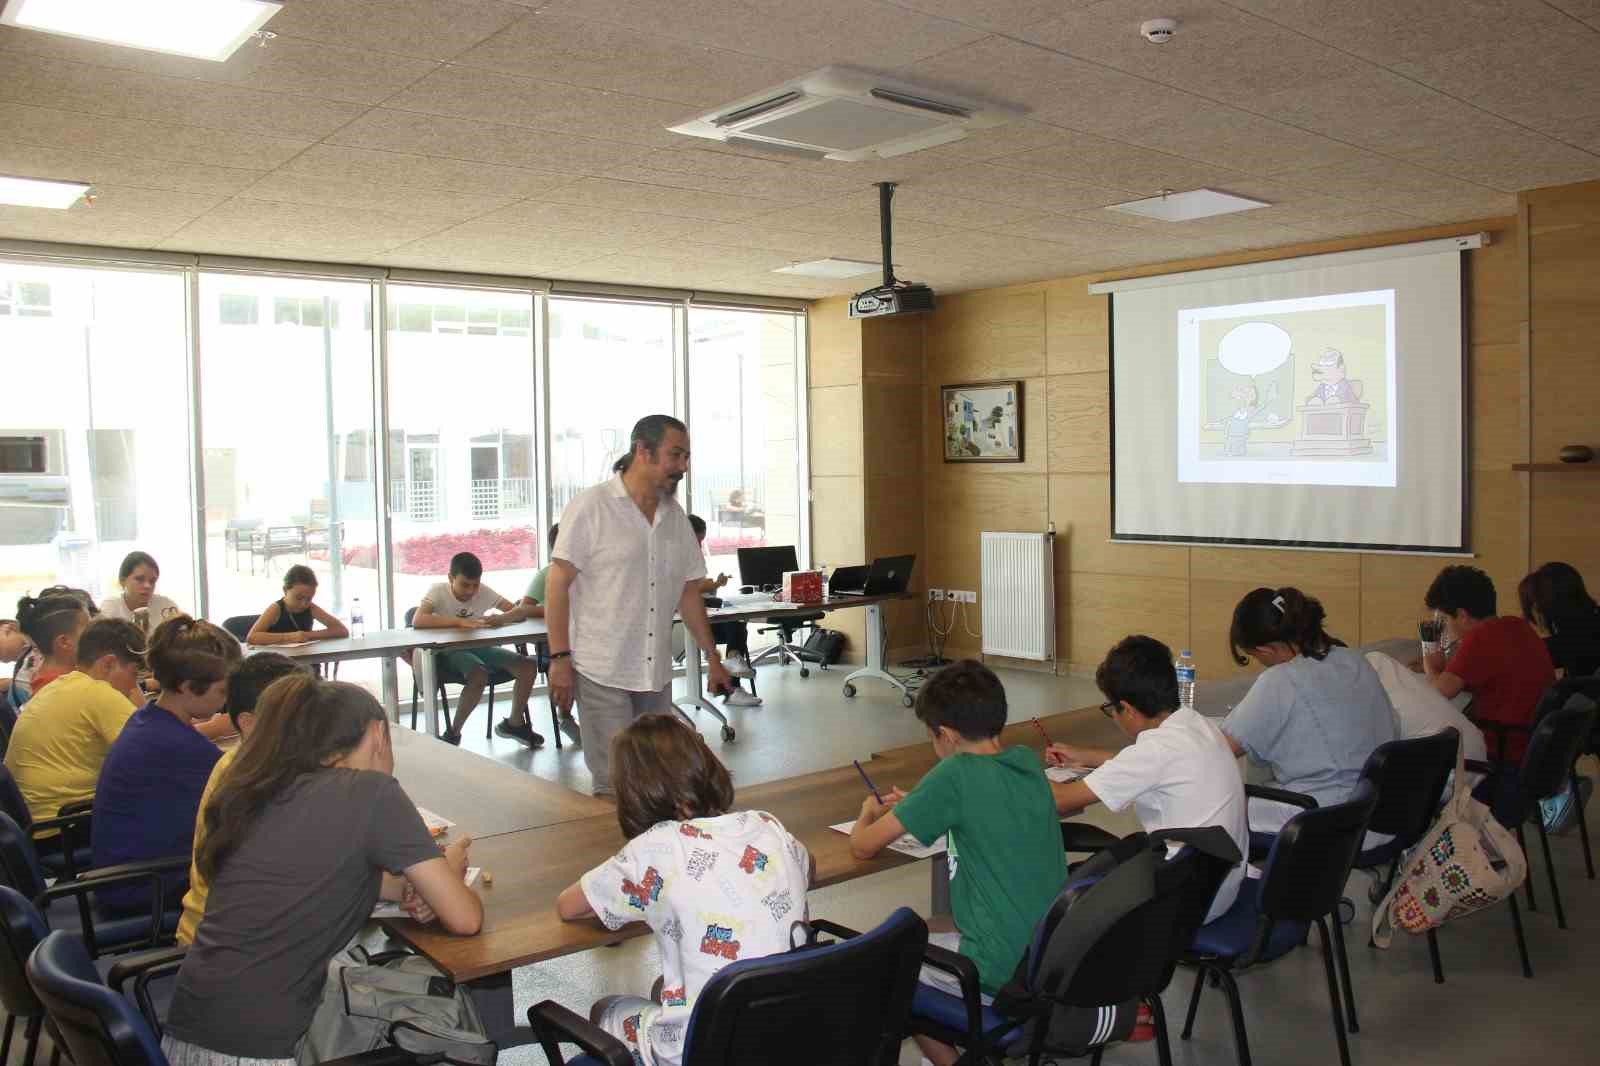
982,422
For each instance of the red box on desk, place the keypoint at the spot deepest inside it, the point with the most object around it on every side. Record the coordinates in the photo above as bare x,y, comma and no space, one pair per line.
802,586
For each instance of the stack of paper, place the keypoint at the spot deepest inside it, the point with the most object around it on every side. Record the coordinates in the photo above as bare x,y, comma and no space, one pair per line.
906,845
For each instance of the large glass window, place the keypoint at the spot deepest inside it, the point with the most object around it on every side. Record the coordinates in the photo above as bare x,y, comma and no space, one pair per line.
610,365
286,417
461,433
95,428
744,423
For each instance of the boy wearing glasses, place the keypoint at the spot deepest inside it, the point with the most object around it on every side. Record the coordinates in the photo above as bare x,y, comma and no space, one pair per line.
58,745
1179,772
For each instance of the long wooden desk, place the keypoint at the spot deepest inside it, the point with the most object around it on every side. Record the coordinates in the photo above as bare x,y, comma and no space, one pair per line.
384,644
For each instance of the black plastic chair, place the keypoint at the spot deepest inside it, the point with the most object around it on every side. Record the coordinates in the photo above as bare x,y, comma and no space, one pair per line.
100,1027
1554,697
1133,959
21,930
1545,772
8,721
1300,885
69,905
1410,777
446,676
63,854
835,1003
239,625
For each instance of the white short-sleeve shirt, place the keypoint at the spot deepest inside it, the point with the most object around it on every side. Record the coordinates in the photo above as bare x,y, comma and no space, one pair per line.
161,609
442,601
1181,775
631,573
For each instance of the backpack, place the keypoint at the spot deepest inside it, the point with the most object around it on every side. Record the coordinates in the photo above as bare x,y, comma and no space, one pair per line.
394,999
1466,862
1046,991
823,646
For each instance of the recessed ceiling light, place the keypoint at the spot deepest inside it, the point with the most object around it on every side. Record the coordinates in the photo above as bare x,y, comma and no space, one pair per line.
831,268
1187,206
203,29
40,192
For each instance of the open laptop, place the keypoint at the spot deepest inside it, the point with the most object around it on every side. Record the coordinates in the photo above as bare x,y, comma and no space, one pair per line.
889,575
848,580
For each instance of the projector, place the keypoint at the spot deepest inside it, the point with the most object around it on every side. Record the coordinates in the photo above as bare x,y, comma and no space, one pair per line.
902,300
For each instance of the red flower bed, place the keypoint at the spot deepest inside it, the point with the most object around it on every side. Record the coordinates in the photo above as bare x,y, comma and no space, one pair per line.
729,545
429,554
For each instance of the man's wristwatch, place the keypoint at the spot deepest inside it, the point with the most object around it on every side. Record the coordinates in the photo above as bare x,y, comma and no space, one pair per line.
560,655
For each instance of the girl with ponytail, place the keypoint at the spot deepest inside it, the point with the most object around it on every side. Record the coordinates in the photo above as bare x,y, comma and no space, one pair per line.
302,837
1314,714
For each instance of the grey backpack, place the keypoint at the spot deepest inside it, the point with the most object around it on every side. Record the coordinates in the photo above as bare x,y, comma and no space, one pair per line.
395,999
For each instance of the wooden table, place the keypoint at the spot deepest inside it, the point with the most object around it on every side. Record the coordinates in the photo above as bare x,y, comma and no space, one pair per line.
385,644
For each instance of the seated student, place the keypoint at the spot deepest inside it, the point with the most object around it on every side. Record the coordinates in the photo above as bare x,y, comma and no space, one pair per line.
1179,772
294,618
735,634
247,680
463,602
150,784
533,602
673,800
1314,714
16,648
1419,710
138,602
300,839
1500,660
1555,601
58,747
996,807
52,621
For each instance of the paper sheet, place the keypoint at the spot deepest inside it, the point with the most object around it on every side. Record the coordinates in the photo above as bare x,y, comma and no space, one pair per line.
1062,774
390,909
438,825
906,845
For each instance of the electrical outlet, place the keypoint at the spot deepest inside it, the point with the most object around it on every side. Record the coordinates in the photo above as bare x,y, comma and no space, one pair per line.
966,597
936,595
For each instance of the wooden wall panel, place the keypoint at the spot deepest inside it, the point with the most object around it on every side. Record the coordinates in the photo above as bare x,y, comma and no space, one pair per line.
1220,577
1104,608
836,432
1080,506
892,424
1080,423
835,343
1077,328
891,348
976,336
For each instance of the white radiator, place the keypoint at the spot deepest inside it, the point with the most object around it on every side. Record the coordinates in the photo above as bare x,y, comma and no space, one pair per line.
1019,595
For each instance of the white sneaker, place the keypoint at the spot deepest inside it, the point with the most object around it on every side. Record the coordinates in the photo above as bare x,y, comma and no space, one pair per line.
740,698
738,666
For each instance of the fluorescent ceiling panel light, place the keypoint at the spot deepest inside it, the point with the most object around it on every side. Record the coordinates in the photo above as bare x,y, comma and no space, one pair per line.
1188,206
203,29
831,268
39,192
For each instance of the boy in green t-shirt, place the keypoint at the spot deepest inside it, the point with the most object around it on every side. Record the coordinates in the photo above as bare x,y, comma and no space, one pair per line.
995,805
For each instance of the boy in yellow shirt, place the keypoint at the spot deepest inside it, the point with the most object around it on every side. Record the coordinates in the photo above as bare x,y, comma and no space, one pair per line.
59,743
247,680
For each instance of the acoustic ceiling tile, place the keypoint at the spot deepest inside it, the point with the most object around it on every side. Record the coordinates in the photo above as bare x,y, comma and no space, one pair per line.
1399,186
1388,33
778,182
448,137
356,232
1099,161
1000,184
433,29
578,222
660,199
914,202
867,33
996,16
1507,158
854,216
1228,137
134,137
482,95
360,165
619,58
119,216
1219,52
98,168
129,94
443,205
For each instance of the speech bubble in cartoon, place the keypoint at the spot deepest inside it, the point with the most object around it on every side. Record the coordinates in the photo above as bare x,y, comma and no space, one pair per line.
1252,348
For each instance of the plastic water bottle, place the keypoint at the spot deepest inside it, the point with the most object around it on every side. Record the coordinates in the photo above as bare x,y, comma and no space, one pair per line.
358,621
1184,665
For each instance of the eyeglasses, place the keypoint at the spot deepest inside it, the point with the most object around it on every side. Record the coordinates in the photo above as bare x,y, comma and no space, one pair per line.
1110,708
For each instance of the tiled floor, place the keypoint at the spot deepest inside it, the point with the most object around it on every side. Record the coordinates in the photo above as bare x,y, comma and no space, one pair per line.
1486,1012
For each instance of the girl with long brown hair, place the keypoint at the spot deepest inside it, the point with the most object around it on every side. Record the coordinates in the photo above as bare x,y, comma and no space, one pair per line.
305,833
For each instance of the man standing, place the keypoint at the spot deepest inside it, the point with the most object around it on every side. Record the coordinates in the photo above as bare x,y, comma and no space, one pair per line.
624,561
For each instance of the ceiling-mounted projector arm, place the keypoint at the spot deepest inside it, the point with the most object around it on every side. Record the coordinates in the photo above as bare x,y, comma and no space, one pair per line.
886,230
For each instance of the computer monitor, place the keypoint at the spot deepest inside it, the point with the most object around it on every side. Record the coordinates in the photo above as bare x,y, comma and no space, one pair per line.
765,567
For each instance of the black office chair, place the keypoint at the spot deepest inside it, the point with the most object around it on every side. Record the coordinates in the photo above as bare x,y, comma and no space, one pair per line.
8,722
787,625
1556,696
67,851
1131,959
21,930
446,676
101,1027
834,1003
239,625
70,905
1545,772
1300,885
1410,777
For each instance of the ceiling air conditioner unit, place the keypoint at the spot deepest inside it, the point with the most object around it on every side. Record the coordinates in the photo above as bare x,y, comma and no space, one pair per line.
846,114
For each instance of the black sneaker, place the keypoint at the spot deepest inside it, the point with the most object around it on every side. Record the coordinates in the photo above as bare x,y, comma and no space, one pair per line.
518,731
451,738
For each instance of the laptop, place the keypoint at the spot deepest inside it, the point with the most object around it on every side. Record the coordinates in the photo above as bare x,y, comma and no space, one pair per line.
848,581
889,575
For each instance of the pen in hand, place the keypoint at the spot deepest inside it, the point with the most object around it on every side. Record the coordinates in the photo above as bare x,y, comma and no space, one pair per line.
1040,727
867,780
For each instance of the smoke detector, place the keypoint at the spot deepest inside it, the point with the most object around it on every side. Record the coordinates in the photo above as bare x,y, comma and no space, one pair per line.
1158,31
